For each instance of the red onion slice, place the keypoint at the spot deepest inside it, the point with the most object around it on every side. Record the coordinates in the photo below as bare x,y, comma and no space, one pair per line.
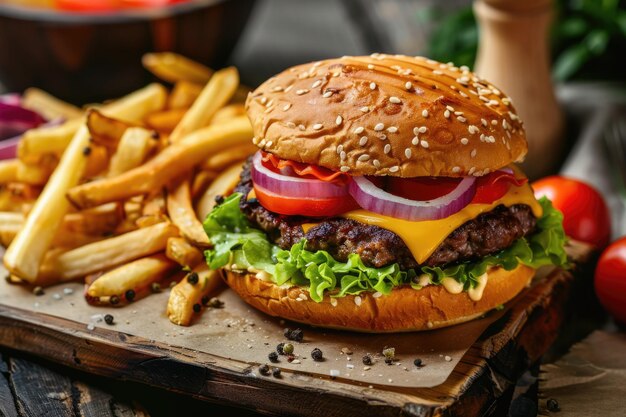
376,200
293,186
15,120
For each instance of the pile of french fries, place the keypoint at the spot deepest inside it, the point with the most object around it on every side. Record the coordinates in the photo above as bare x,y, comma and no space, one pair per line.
115,195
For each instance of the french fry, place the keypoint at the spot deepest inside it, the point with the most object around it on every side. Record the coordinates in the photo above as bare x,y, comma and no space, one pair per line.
8,170
166,120
133,148
35,174
201,181
182,215
183,253
183,297
105,131
173,68
9,201
36,143
11,221
214,95
25,254
222,185
97,161
229,156
98,220
105,254
228,112
48,106
172,162
136,276
184,94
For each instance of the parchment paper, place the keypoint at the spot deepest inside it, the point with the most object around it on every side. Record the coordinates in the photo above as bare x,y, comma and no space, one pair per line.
590,380
239,332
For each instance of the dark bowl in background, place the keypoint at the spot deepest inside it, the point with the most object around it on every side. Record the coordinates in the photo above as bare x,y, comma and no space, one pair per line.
85,58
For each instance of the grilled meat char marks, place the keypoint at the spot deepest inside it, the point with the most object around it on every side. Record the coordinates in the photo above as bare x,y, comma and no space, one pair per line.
485,235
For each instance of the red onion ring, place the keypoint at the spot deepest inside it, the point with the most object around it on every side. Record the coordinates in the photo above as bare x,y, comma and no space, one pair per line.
376,200
293,186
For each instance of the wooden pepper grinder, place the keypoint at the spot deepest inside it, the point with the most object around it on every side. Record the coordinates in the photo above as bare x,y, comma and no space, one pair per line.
513,54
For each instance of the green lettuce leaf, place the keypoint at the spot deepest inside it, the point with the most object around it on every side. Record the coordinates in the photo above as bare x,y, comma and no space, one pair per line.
235,241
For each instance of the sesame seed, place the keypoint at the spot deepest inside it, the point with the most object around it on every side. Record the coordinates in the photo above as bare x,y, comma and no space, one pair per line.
456,169
446,114
379,127
364,109
450,108
415,140
437,72
382,136
408,85
484,122
286,106
255,140
473,92
364,157
473,153
387,149
359,130
392,129
344,169
494,122
493,102
471,170
452,87
269,144
370,66
486,171
458,113
424,144
316,84
278,88
363,141
495,91
357,300
262,143
424,113
505,124
422,129
407,152
394,168
482,137
463,94
464,141
376,163
339,149
485,99
472,129
372,86
263,100
461,119
342,155
338,120
462,80
395,100
302,127
302,91
327,94
416,130
288,88
513,116
318,126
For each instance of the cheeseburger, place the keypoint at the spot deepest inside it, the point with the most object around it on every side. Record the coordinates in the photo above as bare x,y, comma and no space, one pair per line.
384,197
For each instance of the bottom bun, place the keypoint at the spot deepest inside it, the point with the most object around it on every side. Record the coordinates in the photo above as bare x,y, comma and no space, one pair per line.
405,309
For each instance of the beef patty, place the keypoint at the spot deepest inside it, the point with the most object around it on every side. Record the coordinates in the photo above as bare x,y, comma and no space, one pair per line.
487,234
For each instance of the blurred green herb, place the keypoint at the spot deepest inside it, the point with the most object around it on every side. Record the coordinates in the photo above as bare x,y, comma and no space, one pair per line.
588,39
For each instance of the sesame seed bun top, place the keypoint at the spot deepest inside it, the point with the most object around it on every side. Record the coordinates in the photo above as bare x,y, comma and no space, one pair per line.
387,115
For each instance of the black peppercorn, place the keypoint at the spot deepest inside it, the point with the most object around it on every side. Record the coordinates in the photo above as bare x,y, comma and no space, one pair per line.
114,300
273,357
216,303
389,361
205,300
295,335
276,372
155,287
288,348
317,355
367,360
38,291
279,348
192,278
108,319
417,362
264,370
87,151
197,308
155,135
553,405
219,199
130,295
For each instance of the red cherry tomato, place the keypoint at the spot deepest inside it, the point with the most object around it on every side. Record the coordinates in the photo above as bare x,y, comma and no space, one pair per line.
312,207
610,279
585,215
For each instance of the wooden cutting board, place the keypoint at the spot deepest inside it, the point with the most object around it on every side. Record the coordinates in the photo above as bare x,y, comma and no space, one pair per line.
217,358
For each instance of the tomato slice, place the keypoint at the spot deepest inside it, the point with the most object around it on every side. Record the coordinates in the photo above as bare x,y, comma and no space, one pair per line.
311,207
493,186
271,161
